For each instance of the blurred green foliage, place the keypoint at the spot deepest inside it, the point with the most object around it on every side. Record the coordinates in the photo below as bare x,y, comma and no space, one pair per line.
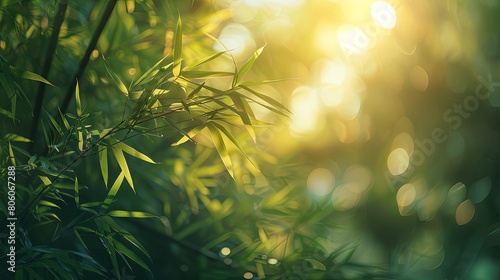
251,139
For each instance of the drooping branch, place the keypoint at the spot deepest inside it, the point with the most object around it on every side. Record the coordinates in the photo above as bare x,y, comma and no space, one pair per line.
83,63
58,20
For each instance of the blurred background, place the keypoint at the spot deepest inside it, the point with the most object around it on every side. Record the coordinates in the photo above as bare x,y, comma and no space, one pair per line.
387,167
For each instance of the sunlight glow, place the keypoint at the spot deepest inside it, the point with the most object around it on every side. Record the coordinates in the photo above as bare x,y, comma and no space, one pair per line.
305,109
406,198
352,39
225,251
383,14
320,181
237,38
465,212
398,161
248,275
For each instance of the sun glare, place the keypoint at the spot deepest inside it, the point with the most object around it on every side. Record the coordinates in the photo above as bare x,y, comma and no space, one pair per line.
383,14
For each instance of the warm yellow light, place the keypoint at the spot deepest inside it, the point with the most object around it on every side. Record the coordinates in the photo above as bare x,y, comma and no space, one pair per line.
320,181
248,275
465,212
383,14
237,39
272,261
305,109
398,161
225,251
352,39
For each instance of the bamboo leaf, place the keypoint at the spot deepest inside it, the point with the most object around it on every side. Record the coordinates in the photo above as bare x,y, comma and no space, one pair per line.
221,148
316,264
189,136
130,214
205,60
195,91
121,86
233,140
77,100
77,192
130,254
16,138
248,64
177,48
244,111
80,239
266,98
149,72
29,75
192,74
103,163
131,151
122,162
112,193
11,155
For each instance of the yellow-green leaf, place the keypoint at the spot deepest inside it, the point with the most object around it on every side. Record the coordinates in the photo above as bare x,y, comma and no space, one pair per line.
112,192
122,162
248,64
77,100
15,138
29,75
221,148
103,162
177,48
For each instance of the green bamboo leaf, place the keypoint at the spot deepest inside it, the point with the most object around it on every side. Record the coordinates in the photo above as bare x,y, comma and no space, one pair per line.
103,162
54,123
244,111
248,64
111,251
6,113
80,239
150,72
48,203
131,151
205,60
177,48
221,148
11,155
77,100
195,91
29,75
16,138
130,214
232,139
121,86
265,82
77,193
64,119
112,193
192,74
316,264
189,136
129,237
122,162
130,254
267,99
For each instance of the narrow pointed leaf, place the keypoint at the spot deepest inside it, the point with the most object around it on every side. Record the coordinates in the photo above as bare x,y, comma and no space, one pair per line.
29,75
177,48
121,86
77,192
131,151
195,91
112,192
103,162
193,74
77,100
189,135
221,148
205,60
248,64
122,162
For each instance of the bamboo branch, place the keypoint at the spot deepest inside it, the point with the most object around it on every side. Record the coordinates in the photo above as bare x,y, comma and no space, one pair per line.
59,19
83,63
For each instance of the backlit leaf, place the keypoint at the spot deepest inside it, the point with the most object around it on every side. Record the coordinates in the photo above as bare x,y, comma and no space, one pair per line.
177,48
